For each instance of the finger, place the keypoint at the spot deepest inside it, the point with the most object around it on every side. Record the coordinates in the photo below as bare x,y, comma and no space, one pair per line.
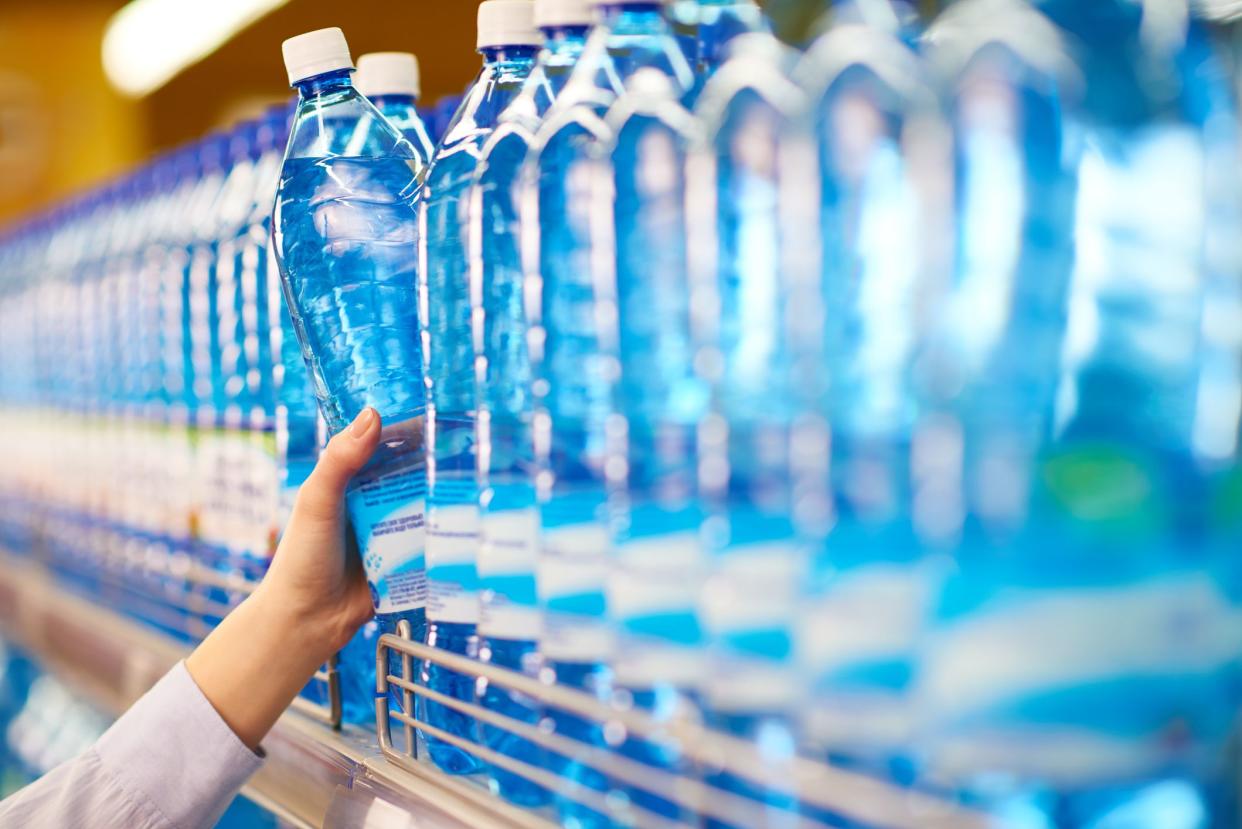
321,495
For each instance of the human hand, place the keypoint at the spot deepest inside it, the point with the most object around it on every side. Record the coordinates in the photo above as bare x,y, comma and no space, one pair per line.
316,577
308,606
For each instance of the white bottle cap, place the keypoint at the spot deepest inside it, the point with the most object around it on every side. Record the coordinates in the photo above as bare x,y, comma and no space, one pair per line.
387,73
507,23
323,50
563,13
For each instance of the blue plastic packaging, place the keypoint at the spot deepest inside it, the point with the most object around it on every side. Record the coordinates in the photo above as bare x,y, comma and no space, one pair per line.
344,234
452,525
570,368
509,621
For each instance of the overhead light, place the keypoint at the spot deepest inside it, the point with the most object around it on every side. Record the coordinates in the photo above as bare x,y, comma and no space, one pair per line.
148,42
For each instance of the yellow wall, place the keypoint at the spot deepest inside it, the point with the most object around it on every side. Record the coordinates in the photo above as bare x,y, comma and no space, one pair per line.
62,128
61,125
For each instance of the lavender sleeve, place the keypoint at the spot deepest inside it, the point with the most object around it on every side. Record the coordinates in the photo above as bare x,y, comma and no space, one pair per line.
169,761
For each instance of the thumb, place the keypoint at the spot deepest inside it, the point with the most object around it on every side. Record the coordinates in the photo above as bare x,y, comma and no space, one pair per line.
349,450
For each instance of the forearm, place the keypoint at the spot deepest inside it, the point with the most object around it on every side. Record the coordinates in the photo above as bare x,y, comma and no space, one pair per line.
254,663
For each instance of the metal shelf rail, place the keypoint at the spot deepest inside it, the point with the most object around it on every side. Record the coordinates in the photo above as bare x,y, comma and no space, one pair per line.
316,775
705,756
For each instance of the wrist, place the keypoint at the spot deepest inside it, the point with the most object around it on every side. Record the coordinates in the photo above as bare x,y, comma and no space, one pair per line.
314,632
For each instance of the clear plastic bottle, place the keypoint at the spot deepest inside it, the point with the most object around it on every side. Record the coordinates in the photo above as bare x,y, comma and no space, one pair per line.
657,401
874,126
1086,557
571,372
509,621
344,230
756,560
720,22
508,41
390,80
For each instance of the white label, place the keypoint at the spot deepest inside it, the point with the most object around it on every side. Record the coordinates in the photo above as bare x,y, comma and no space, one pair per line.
867,614
1044,639
655,575
506,565
753,587
388,514
652,582
452,547
571,568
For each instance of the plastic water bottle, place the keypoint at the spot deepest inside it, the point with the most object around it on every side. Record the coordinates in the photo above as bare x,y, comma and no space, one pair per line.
508,40
1090,563
750,436
439,116
571,371
344,236
509,620
720,22
390,81
873,123
657,400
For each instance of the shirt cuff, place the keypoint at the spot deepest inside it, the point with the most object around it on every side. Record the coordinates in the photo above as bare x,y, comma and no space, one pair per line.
173,747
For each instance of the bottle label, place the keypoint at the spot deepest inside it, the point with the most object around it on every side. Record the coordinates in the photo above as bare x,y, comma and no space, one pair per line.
508,608
571,567
749,609
1168,637
653,588
388,512
870,614
453,581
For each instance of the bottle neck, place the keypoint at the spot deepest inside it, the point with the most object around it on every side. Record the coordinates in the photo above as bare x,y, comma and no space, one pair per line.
327,83
390,99
497,55
720,23
561,39
634,18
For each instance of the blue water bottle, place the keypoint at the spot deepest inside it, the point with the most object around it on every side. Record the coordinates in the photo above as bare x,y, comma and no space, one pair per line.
872,121
507,38
740,182
343,228
390,81
1088,550
571,372
509,619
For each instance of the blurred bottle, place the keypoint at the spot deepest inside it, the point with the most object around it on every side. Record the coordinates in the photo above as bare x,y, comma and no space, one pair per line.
1092,560
756,564
439,115
657,401
344,236
720,22
509,623
508,40
390,81
876,140
571,373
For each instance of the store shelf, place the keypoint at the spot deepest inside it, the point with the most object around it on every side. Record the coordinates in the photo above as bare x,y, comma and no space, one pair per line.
314,776
317,776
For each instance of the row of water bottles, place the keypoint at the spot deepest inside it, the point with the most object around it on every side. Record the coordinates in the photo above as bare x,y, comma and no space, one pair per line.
876,402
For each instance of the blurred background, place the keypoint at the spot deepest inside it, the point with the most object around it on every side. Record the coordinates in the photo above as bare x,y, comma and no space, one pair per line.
55,91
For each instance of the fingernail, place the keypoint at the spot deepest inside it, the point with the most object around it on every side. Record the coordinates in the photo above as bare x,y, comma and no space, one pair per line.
362,423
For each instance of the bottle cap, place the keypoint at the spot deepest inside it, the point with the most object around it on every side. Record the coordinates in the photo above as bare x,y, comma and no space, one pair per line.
507,23
313,53
562,13
387,73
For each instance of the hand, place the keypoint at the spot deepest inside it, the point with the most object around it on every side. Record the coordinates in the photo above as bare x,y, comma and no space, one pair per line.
316,577
311,602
